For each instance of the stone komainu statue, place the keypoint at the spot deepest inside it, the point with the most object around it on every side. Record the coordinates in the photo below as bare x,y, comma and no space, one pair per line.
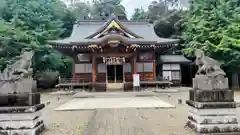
208,66
24,63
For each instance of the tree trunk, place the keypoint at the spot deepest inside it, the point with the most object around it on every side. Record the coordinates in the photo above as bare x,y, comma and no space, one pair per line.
235,82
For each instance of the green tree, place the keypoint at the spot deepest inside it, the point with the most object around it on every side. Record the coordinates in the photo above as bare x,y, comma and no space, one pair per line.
139,14
102,9
166,15
170,25
29,24
81,10
97,10
214,26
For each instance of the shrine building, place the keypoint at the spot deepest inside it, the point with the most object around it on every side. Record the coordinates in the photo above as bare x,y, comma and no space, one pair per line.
108,53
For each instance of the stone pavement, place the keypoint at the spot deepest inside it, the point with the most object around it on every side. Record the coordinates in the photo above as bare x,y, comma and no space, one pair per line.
113,102
117,122
113,94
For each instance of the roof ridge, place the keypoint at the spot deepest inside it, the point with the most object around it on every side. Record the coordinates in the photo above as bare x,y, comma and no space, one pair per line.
131,21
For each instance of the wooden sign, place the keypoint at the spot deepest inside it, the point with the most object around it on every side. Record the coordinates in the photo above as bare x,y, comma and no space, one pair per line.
113,60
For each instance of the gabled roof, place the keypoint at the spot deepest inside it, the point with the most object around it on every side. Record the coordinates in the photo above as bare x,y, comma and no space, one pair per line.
113,19
84,30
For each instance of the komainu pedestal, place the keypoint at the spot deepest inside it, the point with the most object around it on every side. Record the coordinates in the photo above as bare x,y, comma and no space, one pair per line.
20,107
212,109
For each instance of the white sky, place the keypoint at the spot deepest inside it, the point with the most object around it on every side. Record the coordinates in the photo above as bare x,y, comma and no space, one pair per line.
130,5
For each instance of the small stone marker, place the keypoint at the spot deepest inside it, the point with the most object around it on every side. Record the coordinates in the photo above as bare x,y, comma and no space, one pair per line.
179,101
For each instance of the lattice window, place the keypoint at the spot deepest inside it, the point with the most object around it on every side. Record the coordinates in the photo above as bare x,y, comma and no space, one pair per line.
147,67
83,68
127,68
139,67
171,72
101,68
144,67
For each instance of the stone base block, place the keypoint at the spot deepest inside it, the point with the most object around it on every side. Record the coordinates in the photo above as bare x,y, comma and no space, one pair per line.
214,128
210,83
19,116
21,109
21,120
211,96
20,124
211,105
34,131
213,112
231,119
219,120
19,99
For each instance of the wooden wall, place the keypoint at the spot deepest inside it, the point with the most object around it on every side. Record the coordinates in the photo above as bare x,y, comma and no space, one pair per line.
128,77
145,66
101,77
82,77
143,59
146,76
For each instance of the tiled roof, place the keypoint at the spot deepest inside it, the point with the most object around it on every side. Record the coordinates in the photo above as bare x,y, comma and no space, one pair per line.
85,28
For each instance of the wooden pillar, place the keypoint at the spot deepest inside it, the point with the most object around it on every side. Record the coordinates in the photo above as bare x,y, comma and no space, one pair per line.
135,64
123,73
93,72
74,70
154,67
191,75
134,71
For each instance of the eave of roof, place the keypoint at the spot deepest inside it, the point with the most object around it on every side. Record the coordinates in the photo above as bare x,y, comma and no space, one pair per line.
124,39
172,59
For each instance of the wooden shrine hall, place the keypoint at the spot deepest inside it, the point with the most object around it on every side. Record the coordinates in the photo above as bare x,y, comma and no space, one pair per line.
108,53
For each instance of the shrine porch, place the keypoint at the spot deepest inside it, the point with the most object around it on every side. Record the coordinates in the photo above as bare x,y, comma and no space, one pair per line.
71,83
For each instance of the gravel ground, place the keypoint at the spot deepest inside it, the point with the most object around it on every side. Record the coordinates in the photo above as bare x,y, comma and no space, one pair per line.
159,121
63,122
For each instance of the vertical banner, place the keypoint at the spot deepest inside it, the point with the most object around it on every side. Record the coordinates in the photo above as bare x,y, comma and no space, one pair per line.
136,80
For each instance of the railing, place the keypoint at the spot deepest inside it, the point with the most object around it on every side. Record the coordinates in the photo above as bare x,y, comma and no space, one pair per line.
73,80
82,80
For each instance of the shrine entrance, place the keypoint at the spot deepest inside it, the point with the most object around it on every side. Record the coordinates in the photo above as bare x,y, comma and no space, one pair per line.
114,69
115,73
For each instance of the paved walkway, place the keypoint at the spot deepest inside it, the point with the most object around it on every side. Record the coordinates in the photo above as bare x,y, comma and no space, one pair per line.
117,122
105,103
113,94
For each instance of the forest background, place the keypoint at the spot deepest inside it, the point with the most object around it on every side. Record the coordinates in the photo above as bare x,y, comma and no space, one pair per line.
212,25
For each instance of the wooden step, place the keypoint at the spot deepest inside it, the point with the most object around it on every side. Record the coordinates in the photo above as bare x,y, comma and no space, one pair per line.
115,86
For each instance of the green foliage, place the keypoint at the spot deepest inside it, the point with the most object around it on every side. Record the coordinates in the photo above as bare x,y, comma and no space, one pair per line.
170,25
214,26
98,9
29,24
166,17
47,79
101,9
139,14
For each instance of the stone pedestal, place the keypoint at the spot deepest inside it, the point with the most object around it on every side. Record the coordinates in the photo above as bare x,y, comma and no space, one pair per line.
21,120
212,109
20,108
